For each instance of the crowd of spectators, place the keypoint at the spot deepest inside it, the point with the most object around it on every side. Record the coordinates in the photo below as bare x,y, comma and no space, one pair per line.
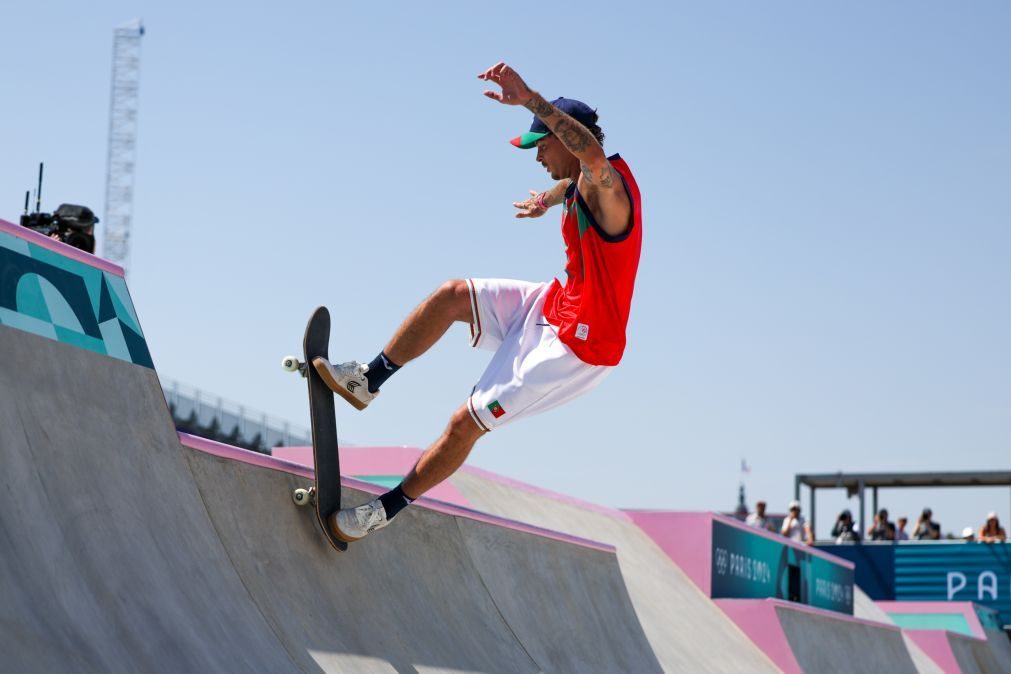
845,530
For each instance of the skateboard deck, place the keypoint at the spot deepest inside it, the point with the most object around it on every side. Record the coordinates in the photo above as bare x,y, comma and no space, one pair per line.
324,425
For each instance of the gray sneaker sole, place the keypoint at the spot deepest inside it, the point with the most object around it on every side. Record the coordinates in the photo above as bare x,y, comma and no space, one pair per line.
332,521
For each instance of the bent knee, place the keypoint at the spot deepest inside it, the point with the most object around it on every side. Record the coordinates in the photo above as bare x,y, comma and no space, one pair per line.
462,424
455,296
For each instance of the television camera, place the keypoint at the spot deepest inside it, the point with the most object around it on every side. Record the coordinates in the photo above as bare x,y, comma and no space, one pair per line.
72,224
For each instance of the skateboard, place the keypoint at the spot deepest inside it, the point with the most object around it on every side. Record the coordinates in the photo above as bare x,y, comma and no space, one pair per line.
326,495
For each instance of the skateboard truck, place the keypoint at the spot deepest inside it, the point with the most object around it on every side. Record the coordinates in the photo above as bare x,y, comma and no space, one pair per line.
293,364
303,497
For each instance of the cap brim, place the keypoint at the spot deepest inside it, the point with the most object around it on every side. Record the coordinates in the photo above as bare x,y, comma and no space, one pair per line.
527,140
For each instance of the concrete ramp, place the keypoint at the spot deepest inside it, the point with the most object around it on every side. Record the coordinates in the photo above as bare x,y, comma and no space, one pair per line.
109,563
686,630
803,639
963,654
865,608
125,551
436,591
975,656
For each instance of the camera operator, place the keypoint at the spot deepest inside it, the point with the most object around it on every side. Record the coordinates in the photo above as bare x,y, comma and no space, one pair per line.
882,529
844,530
926,528
72,224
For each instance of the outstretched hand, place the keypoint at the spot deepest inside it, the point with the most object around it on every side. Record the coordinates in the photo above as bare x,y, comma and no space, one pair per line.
530,208
514,90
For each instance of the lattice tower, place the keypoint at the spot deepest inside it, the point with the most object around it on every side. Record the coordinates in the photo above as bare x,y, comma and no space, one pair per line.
122,142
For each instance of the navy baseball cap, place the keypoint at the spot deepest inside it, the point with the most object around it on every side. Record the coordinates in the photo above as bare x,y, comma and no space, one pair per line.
577,110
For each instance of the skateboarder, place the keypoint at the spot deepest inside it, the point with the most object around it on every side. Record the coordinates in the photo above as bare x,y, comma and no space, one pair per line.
552,341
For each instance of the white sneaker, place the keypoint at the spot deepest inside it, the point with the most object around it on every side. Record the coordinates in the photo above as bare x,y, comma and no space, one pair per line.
346,380
352,524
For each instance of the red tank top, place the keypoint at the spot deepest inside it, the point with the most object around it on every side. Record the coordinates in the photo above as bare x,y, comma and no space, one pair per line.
591,309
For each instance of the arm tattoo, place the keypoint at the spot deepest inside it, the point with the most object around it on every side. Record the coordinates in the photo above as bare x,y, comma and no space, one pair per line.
574,135
540,107
605,179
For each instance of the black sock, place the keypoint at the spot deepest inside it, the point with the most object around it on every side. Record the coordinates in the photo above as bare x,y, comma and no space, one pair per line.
394,501
380,369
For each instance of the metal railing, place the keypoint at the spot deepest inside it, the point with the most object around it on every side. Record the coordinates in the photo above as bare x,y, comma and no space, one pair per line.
213,417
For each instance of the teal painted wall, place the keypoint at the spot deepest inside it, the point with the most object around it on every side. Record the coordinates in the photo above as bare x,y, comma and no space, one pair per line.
953,622
747,565
66,300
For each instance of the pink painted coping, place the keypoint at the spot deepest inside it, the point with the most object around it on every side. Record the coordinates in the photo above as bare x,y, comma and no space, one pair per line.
670,530
686,538
758,619
399,460
60,247
367,461
937,647
224,451
963,608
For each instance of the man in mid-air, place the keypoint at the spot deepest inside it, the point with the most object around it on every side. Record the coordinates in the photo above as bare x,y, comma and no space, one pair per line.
552,341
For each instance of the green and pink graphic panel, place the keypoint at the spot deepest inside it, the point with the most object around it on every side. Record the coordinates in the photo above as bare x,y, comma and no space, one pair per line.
729,560
56,291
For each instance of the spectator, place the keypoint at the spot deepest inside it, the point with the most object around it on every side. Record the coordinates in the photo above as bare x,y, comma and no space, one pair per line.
795,527
992,531
926,528
900,530
882,529
844,531
967,534
757,519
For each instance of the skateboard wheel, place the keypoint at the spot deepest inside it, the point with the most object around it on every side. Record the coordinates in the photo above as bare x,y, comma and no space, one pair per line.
301,497
290,363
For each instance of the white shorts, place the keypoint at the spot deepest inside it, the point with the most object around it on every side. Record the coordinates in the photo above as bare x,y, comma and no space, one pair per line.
532,370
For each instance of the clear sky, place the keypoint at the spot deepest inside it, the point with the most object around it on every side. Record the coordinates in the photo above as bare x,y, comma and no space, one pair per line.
825,281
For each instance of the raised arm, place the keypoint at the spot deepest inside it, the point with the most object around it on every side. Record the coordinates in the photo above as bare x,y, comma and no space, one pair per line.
577,139
598,182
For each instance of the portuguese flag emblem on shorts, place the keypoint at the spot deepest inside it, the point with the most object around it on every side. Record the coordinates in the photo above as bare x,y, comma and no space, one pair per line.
496,409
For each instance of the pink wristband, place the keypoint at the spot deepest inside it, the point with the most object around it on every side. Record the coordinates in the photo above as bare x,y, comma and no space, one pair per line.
540,201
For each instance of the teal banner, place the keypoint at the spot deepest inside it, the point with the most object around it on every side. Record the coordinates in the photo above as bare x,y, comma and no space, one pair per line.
748,565
66,300
976,572
934,571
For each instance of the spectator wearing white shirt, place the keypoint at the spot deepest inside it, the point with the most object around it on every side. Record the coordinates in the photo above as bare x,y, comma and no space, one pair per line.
795,527
757,519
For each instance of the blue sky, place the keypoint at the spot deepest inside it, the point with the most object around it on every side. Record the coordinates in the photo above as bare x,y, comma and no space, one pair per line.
824,283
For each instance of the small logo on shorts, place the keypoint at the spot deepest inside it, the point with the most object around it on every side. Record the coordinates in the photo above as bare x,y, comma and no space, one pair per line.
496,409
582,331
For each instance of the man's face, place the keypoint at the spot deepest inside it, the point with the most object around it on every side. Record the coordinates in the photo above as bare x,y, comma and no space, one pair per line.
760,509
550,154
